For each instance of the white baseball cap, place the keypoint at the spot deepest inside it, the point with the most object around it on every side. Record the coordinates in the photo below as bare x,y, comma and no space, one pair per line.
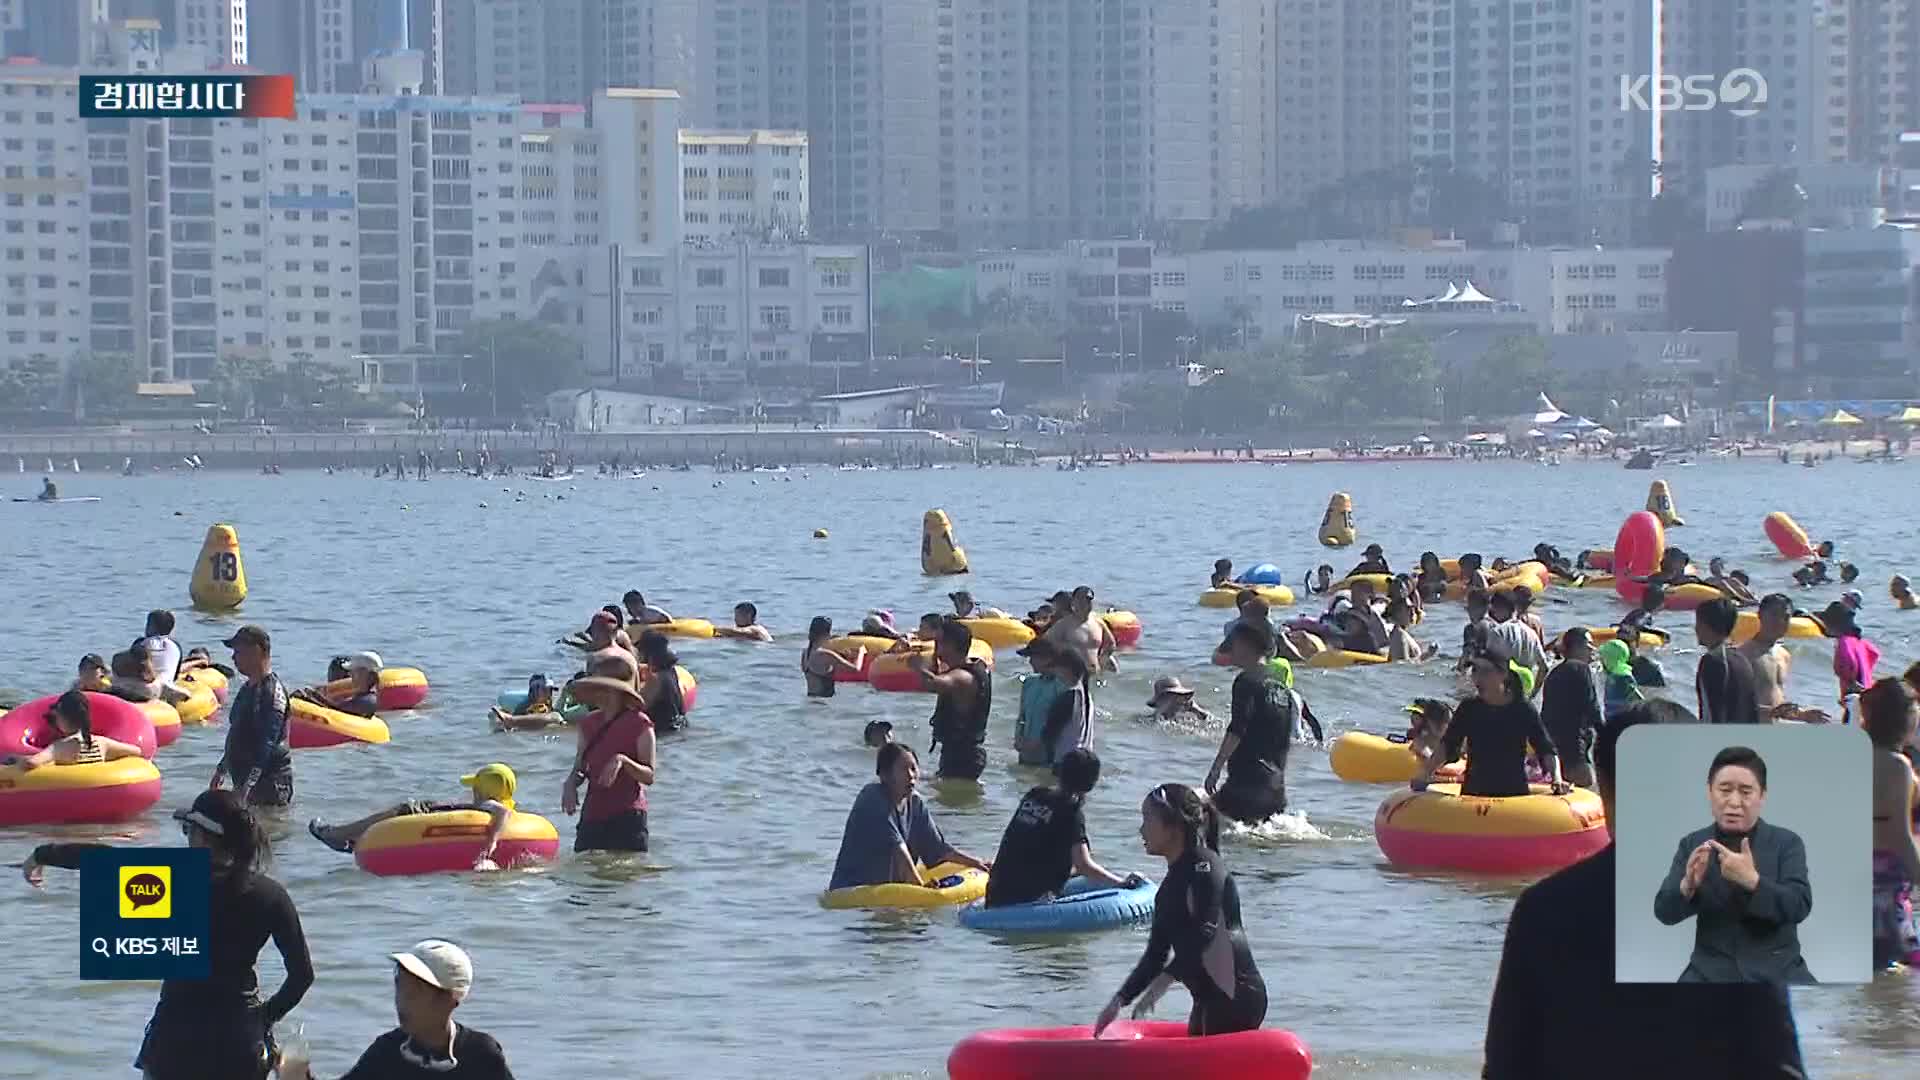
364,661
440,964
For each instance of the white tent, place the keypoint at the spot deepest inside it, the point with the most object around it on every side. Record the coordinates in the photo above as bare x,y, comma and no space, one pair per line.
1536,433
1600,433
1549,412
1422,439
1665,422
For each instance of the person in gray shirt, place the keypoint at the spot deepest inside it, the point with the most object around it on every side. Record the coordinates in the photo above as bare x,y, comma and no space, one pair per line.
890,835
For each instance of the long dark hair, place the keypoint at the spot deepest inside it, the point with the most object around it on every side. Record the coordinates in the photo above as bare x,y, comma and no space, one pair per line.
73,705
819,629
242,839
1189,808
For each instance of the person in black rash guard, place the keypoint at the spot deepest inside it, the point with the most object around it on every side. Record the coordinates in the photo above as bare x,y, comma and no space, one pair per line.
1197,939
217,1028
430,981
1724,679
1499,722
1254,750
965,689
660,694
1046,842
1555,989
256,756
1570,707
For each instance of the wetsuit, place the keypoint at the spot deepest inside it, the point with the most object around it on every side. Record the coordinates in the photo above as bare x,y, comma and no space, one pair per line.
1499,735
818,684
1196,919
1036,852
218,1026
1265,714
960,733
365,703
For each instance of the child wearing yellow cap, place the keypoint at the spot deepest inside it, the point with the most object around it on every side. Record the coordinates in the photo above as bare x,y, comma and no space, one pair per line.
493,787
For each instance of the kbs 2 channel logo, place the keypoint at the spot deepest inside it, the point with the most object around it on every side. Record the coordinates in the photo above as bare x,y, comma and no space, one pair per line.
146,892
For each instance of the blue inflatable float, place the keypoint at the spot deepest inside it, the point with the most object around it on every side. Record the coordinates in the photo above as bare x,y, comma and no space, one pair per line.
514,700
1080,907
1264,574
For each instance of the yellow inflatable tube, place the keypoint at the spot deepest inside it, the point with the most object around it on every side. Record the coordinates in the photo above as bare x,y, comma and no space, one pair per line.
1378,581
1650,637
971,886
198,708
1360,757
1747,624
686,628
164,718
999,633
1340,658
1274,595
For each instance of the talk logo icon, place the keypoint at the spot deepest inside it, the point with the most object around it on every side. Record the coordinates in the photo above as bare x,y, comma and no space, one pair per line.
146,892
219,579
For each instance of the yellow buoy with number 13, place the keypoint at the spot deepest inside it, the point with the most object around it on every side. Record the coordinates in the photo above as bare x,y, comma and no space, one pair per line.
219,579
1336,527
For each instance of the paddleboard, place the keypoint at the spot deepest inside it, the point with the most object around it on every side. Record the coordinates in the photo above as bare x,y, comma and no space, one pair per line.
77,499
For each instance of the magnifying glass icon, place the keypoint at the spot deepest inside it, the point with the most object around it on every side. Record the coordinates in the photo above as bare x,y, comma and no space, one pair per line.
100,946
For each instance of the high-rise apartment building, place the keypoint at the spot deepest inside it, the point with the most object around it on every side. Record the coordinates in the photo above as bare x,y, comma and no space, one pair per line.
218,28
873,116
1526,98
1342,104
743,184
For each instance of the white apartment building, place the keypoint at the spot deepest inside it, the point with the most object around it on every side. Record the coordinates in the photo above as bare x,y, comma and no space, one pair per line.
44,224
1837,195
743,183
215,28
1527,98
1342,104
874,117
1560,290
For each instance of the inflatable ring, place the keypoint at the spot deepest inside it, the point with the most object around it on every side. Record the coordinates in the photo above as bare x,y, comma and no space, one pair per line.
1360,757
165,719
514,700
210,677
1339,658
847,644
401,688
1637,551
689,686
891,673
27,730
1788,538
102,793
1600,559
1080,906
1596,581
1125,626
970,886
1650,637
1264,573
686,628
1441,829
1747,624
1274,595
312,727
1535,583
1129,1050
199,708
1683,597
1378,581
999,633
449,841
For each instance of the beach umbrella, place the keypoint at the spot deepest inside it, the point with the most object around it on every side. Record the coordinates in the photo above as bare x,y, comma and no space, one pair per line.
1910,416
1536,433
1600,433
1423,439
1843,418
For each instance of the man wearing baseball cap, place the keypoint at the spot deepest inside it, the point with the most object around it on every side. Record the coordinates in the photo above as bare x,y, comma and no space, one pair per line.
430,981
256,755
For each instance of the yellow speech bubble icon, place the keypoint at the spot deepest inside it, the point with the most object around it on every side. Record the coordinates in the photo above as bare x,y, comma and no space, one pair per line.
146,892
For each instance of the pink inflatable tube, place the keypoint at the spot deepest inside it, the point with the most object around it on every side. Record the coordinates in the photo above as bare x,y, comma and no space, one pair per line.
1636,553
27,730
1138,1050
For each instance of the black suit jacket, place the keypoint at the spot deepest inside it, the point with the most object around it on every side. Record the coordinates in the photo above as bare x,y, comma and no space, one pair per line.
1742,936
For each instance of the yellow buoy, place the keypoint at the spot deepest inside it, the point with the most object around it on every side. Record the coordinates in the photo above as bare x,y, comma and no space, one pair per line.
938,553
219,579
1336,528
1660,504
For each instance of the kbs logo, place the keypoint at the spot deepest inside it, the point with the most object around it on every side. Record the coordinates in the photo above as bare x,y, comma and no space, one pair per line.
1742,92
146,892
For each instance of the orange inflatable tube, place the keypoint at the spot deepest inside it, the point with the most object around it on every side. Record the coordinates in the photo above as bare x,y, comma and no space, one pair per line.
1787,536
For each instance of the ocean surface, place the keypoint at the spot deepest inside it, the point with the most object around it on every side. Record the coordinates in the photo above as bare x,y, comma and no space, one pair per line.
713,958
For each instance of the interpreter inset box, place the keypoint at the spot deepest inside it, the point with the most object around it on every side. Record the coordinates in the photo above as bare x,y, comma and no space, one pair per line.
1744,854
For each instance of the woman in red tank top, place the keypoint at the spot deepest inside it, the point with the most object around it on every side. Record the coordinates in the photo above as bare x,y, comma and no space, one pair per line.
615,762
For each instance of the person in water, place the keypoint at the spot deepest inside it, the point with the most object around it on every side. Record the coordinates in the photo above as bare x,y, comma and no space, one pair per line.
1622,690
1253,753
92,674
1902,592
1556,986
218,1026
1372,561
1854,657
1646,670
1222,576
1887,713
133,679
879,623
161,646
639,611
818,663
1197,939
1401,644
1849,573
1428,729
1083,630
965,607
1509,639
1046,842
964,689
746,625
49,491
1500,722
1038,691
1473,574
541,708
1431,582
69,739
660,694
877,734
256,755
1570,707
615,760
1069,720
1320,582
1557,565
890,835
430,981
492,786
1734,589
1172,702
361,694
1771,663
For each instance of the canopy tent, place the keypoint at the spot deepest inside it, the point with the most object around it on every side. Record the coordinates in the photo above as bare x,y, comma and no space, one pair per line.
1423,439
1549,412
1665,422
1843,418
1600,433
1911,415
1567,436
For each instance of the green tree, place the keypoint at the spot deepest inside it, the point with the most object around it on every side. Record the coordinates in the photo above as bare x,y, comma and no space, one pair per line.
103,380
518,361
1508,378
1393,377
25,388
237,382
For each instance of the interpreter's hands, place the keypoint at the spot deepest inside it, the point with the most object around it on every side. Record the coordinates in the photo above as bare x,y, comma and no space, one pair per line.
1696,871
1737,866
569,799
35,874
1107,1016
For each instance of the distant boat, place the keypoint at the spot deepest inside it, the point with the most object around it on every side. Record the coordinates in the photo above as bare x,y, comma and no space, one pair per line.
1641,460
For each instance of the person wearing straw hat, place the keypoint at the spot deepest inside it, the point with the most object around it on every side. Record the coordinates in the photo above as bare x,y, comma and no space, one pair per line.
615,761
430,981
492,785
1172,702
